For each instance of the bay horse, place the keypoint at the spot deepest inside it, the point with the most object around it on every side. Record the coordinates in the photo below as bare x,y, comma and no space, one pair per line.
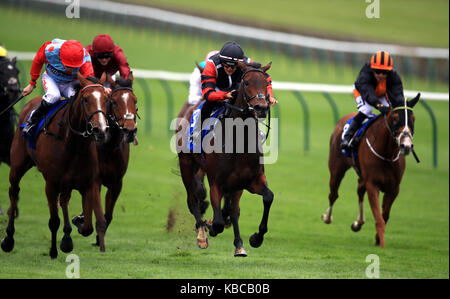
113,155
229,174
66,156
380,163
9,92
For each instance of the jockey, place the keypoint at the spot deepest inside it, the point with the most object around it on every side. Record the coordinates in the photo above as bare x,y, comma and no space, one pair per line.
63,59
375,79
221,77
107,57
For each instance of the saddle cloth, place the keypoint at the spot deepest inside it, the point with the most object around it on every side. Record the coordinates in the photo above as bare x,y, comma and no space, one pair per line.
196,133
42,123
358,136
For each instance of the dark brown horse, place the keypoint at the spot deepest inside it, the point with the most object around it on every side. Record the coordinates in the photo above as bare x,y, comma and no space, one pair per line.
67,157
9,92
113,155
230,173
380,163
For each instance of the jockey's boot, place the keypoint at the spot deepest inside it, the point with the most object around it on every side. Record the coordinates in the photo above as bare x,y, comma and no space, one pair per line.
354,126
40,111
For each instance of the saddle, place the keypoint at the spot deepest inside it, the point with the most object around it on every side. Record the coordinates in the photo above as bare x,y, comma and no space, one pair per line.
353,152
42,123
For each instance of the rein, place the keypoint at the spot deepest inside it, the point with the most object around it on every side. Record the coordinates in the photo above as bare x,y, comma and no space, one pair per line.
248,99
88,130
393,136
126,116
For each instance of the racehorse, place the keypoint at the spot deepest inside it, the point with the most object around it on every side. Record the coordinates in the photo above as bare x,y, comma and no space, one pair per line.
67,157
9,91
380,163
230,173
113,155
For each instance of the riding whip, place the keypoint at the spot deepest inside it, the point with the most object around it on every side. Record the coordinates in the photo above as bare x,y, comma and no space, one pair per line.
415,155
12,104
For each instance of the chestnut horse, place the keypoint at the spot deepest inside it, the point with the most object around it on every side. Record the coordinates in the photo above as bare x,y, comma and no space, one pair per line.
67,157
230,173
113,155
380,163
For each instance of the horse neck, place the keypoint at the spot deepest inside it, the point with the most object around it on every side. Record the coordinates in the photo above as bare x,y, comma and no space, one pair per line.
381,138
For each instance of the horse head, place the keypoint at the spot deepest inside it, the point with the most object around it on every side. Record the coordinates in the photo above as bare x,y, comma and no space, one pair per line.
253,94
91,101
401,123
122,106
9,80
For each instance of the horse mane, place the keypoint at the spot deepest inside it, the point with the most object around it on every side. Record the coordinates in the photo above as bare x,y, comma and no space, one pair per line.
255,65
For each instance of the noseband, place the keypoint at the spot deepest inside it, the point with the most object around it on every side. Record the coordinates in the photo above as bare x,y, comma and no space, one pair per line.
89,128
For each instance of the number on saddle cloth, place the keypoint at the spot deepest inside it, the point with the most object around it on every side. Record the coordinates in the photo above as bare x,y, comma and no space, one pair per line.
42,123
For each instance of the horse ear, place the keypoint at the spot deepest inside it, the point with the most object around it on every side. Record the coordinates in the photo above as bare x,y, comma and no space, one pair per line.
267,67
103,79
242,66
13,61
130,76
83,81
411,103
111,81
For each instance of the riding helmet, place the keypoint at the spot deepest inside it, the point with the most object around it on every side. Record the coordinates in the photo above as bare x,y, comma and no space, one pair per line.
231,53
381,61
103,43
72,53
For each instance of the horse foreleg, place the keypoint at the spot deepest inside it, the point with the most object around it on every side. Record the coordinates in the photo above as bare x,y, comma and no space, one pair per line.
100,224
356,226
218,223
380,225
388,200
66,244
261,188
234,216
54,221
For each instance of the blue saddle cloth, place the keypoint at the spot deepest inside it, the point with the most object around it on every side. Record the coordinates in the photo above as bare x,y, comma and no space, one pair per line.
34,132
356,140
194,138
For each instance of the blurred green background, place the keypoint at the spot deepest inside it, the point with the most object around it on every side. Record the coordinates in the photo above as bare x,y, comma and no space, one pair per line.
298,244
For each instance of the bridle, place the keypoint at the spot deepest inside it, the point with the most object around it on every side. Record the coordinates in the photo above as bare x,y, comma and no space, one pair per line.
89,128
128,116
247,100
405,132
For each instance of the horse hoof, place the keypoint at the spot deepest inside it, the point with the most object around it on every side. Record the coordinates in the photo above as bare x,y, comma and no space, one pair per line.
66,245
78,221
85,232
53,253
7,244
327,220
256,240
356,226
202,244
240,252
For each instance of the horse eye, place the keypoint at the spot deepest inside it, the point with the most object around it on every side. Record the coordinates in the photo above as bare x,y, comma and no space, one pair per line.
246,83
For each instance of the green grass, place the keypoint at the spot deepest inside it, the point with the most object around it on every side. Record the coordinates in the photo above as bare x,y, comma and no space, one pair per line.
422,23
298,244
